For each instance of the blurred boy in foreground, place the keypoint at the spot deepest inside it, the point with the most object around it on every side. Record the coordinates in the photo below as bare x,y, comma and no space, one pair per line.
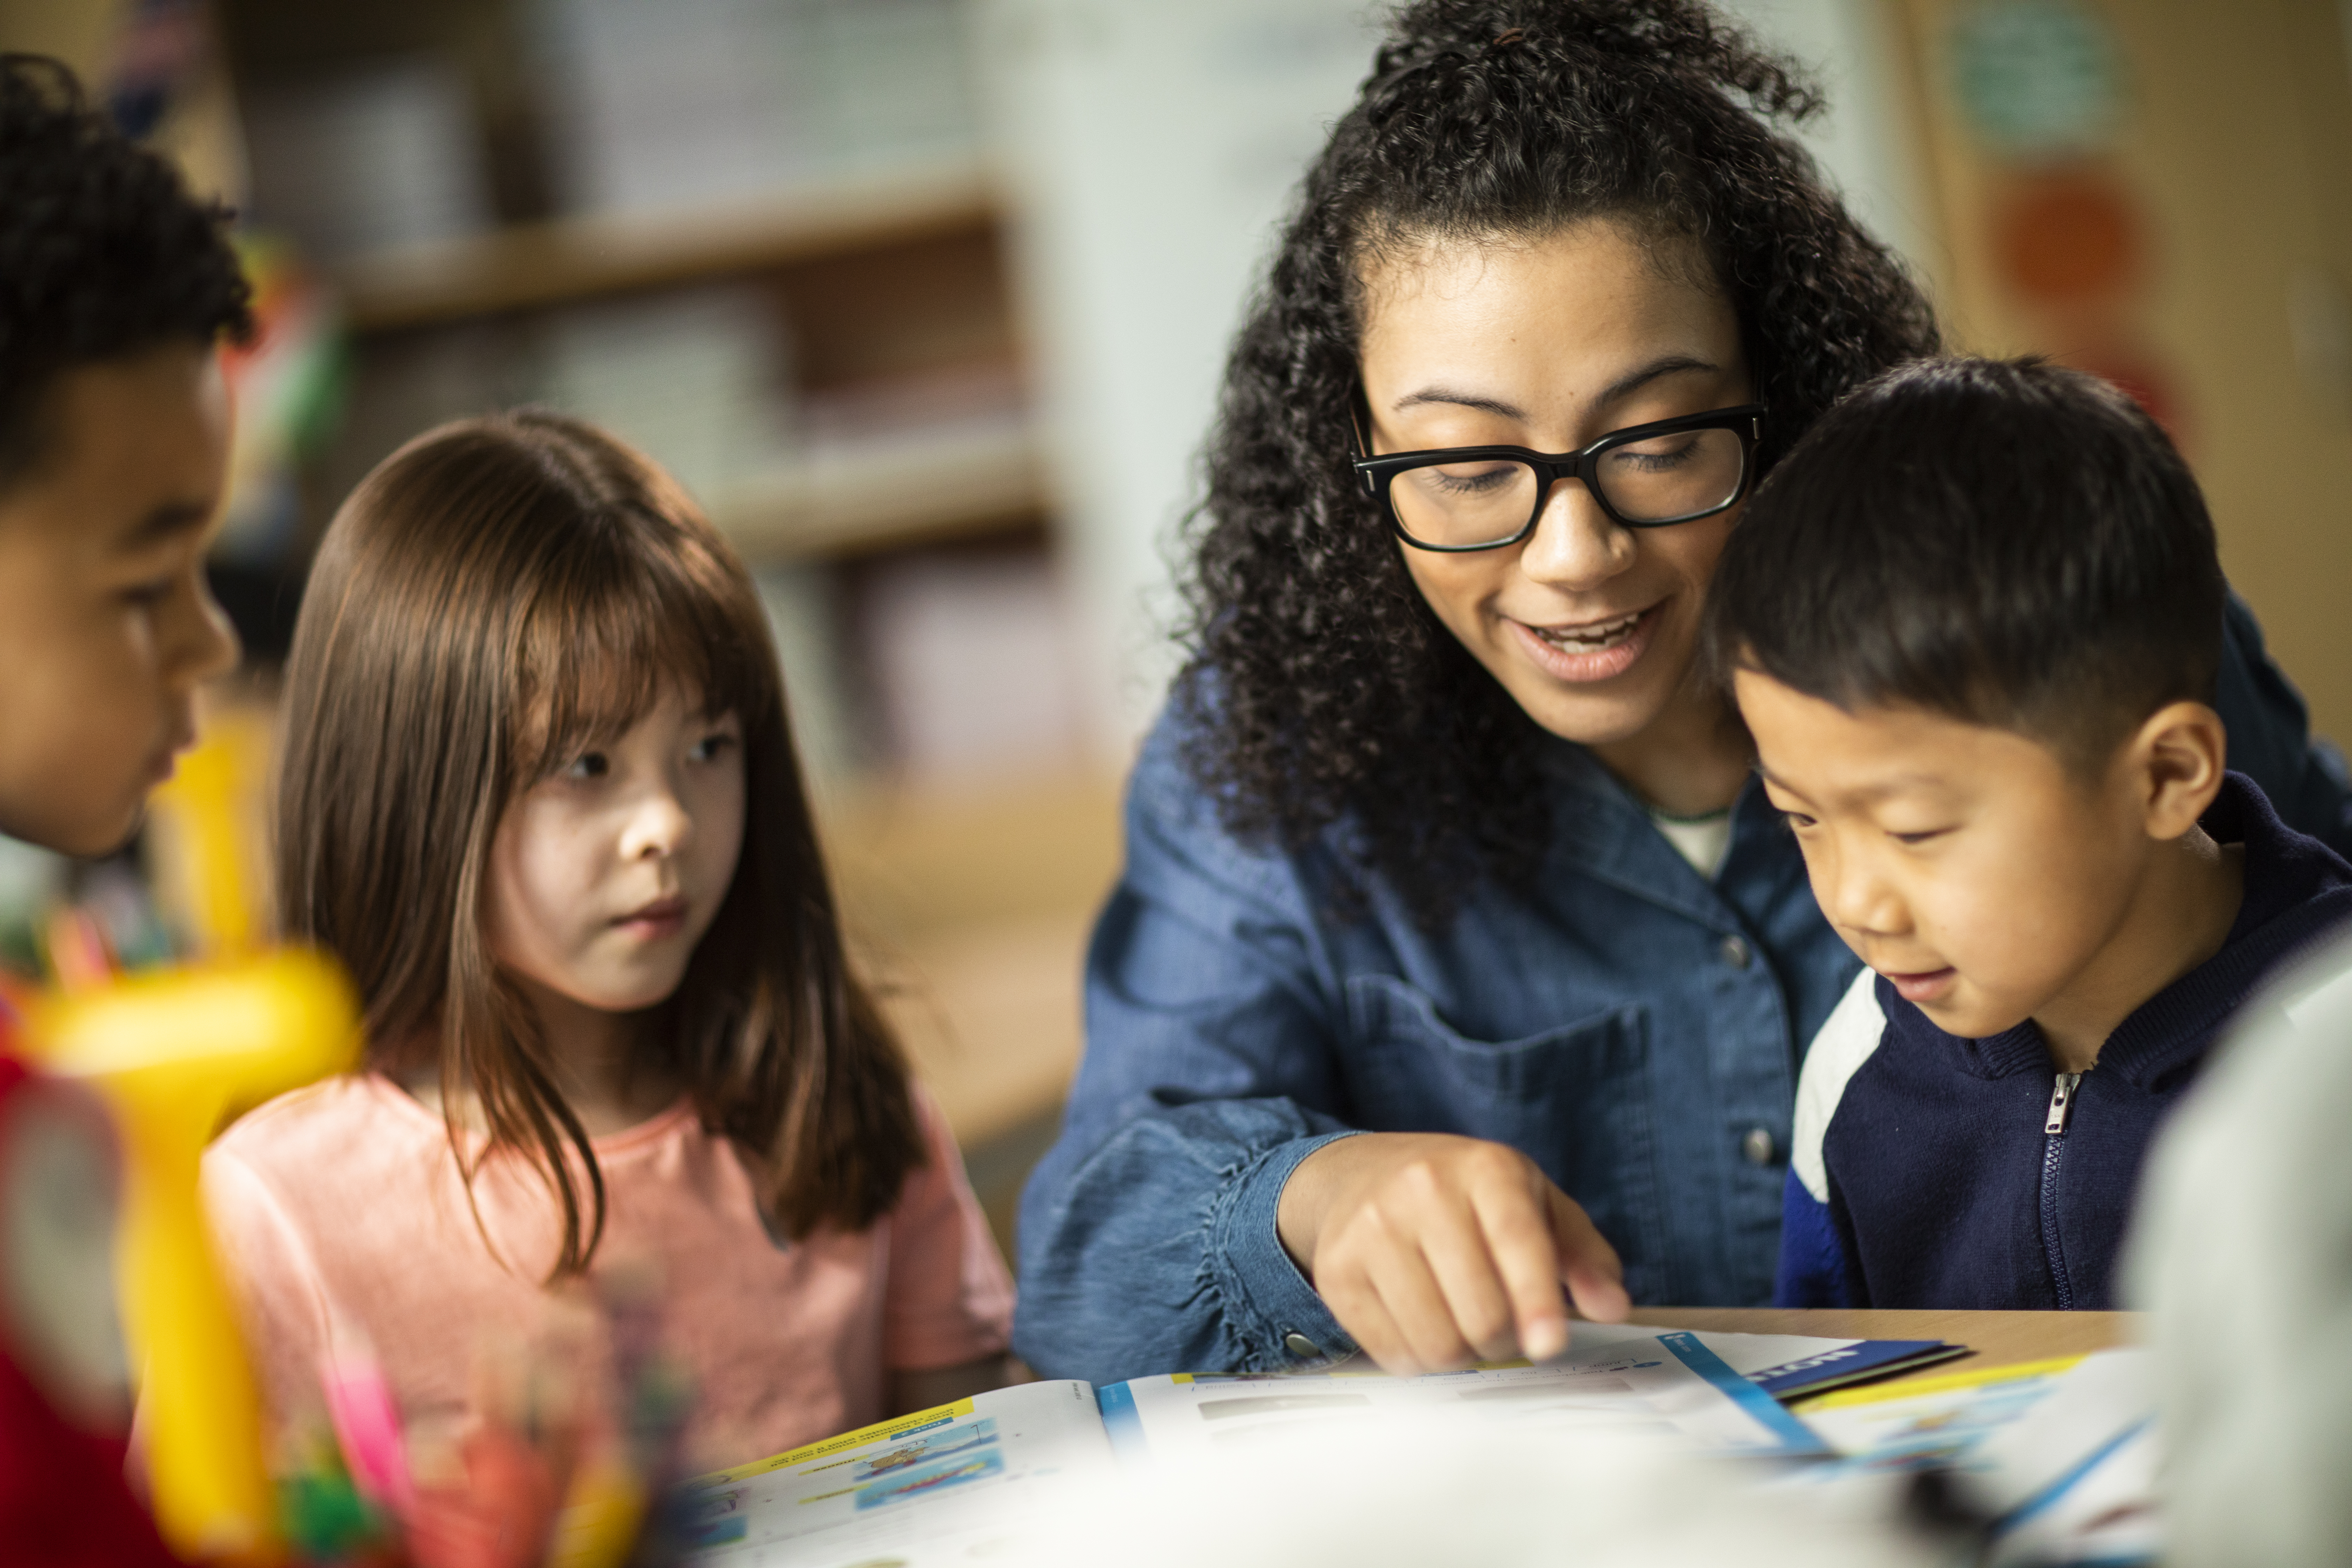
115,288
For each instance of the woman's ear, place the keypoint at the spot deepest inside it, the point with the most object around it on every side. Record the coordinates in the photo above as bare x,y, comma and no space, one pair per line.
2178,757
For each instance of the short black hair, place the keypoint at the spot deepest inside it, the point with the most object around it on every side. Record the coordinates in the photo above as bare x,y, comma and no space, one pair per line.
102,251
2006,542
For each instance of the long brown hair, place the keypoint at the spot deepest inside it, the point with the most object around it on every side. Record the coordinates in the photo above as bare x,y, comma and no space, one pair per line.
498,592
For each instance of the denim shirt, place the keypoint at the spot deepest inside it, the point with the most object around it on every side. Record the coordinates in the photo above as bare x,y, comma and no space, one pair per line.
1633,1027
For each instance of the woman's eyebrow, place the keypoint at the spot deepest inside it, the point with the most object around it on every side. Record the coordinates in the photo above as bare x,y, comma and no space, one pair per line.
1665,364
1460,399
1625,386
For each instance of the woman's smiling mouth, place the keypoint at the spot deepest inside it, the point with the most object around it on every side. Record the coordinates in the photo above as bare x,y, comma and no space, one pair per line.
1588,650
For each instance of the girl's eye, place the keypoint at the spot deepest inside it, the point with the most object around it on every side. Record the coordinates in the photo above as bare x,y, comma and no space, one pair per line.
1797,819
146,595
588,765
710,748
1918,838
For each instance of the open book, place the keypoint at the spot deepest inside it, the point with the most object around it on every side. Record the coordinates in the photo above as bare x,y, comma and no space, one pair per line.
2058,1458
941,1484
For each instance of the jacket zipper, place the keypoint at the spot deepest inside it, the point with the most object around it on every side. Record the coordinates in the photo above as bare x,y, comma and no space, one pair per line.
2053,1150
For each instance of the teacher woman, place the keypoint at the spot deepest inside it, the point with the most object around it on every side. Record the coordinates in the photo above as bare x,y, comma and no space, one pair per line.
1459,970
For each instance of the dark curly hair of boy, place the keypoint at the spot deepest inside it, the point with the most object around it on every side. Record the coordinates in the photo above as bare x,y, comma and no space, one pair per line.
102,251
1320,688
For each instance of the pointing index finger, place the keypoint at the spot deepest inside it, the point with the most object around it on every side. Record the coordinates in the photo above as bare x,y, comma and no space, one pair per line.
1520,1238
1587,1263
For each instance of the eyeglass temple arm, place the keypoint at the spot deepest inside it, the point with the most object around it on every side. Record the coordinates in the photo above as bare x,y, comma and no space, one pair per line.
1363,442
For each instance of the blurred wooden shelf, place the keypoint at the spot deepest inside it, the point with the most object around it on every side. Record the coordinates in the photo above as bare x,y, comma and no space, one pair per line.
565,259
884,492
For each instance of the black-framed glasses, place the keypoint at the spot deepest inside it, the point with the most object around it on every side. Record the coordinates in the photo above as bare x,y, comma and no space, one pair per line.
1644,476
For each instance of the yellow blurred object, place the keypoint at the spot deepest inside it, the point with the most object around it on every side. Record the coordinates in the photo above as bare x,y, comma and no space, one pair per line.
598,1527
208,849
173,1054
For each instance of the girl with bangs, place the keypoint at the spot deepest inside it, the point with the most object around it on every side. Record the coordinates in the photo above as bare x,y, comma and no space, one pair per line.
539,796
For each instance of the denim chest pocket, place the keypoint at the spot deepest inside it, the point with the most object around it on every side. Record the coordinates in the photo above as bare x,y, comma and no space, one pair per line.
1574,1099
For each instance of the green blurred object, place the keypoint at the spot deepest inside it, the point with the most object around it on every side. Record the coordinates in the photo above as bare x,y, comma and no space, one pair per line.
287,387
327,1522
32,879
2038,78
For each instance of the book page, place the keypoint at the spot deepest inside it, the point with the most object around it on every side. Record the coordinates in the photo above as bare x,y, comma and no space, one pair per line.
1936,1420
1664,1388
2058,1455
1785,1365
932,1487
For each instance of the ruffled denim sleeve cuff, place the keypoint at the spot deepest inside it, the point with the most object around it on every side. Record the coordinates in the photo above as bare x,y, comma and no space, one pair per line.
1283,1320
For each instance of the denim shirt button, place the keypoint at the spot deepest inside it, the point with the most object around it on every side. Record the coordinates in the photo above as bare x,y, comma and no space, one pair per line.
1302,1347
1757,1147
1735,951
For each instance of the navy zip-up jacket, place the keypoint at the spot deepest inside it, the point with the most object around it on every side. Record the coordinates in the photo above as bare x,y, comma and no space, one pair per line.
1933,1171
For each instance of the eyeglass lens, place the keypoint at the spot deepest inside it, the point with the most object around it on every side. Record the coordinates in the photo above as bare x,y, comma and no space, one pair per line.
1681,474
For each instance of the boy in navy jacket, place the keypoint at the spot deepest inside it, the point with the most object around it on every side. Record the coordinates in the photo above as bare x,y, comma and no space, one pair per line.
1972,621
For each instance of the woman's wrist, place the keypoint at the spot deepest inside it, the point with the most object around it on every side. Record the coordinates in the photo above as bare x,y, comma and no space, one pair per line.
1298,1216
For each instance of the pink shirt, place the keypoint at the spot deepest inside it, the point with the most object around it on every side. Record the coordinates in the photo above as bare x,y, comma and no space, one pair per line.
341,1203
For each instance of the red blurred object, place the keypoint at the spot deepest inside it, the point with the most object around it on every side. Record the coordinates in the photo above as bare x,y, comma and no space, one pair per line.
502,1517
2066,238
64,1502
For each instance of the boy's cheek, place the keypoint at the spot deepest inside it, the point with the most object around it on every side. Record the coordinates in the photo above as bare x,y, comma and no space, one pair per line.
2012,958
82,739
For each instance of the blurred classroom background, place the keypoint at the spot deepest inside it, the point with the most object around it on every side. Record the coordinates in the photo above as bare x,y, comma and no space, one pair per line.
926,300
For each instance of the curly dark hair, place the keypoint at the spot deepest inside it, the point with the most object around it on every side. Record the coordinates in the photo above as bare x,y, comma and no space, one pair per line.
1320,688
102,251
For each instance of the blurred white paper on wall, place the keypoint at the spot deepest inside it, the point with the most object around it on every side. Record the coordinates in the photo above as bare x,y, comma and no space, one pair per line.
376,159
